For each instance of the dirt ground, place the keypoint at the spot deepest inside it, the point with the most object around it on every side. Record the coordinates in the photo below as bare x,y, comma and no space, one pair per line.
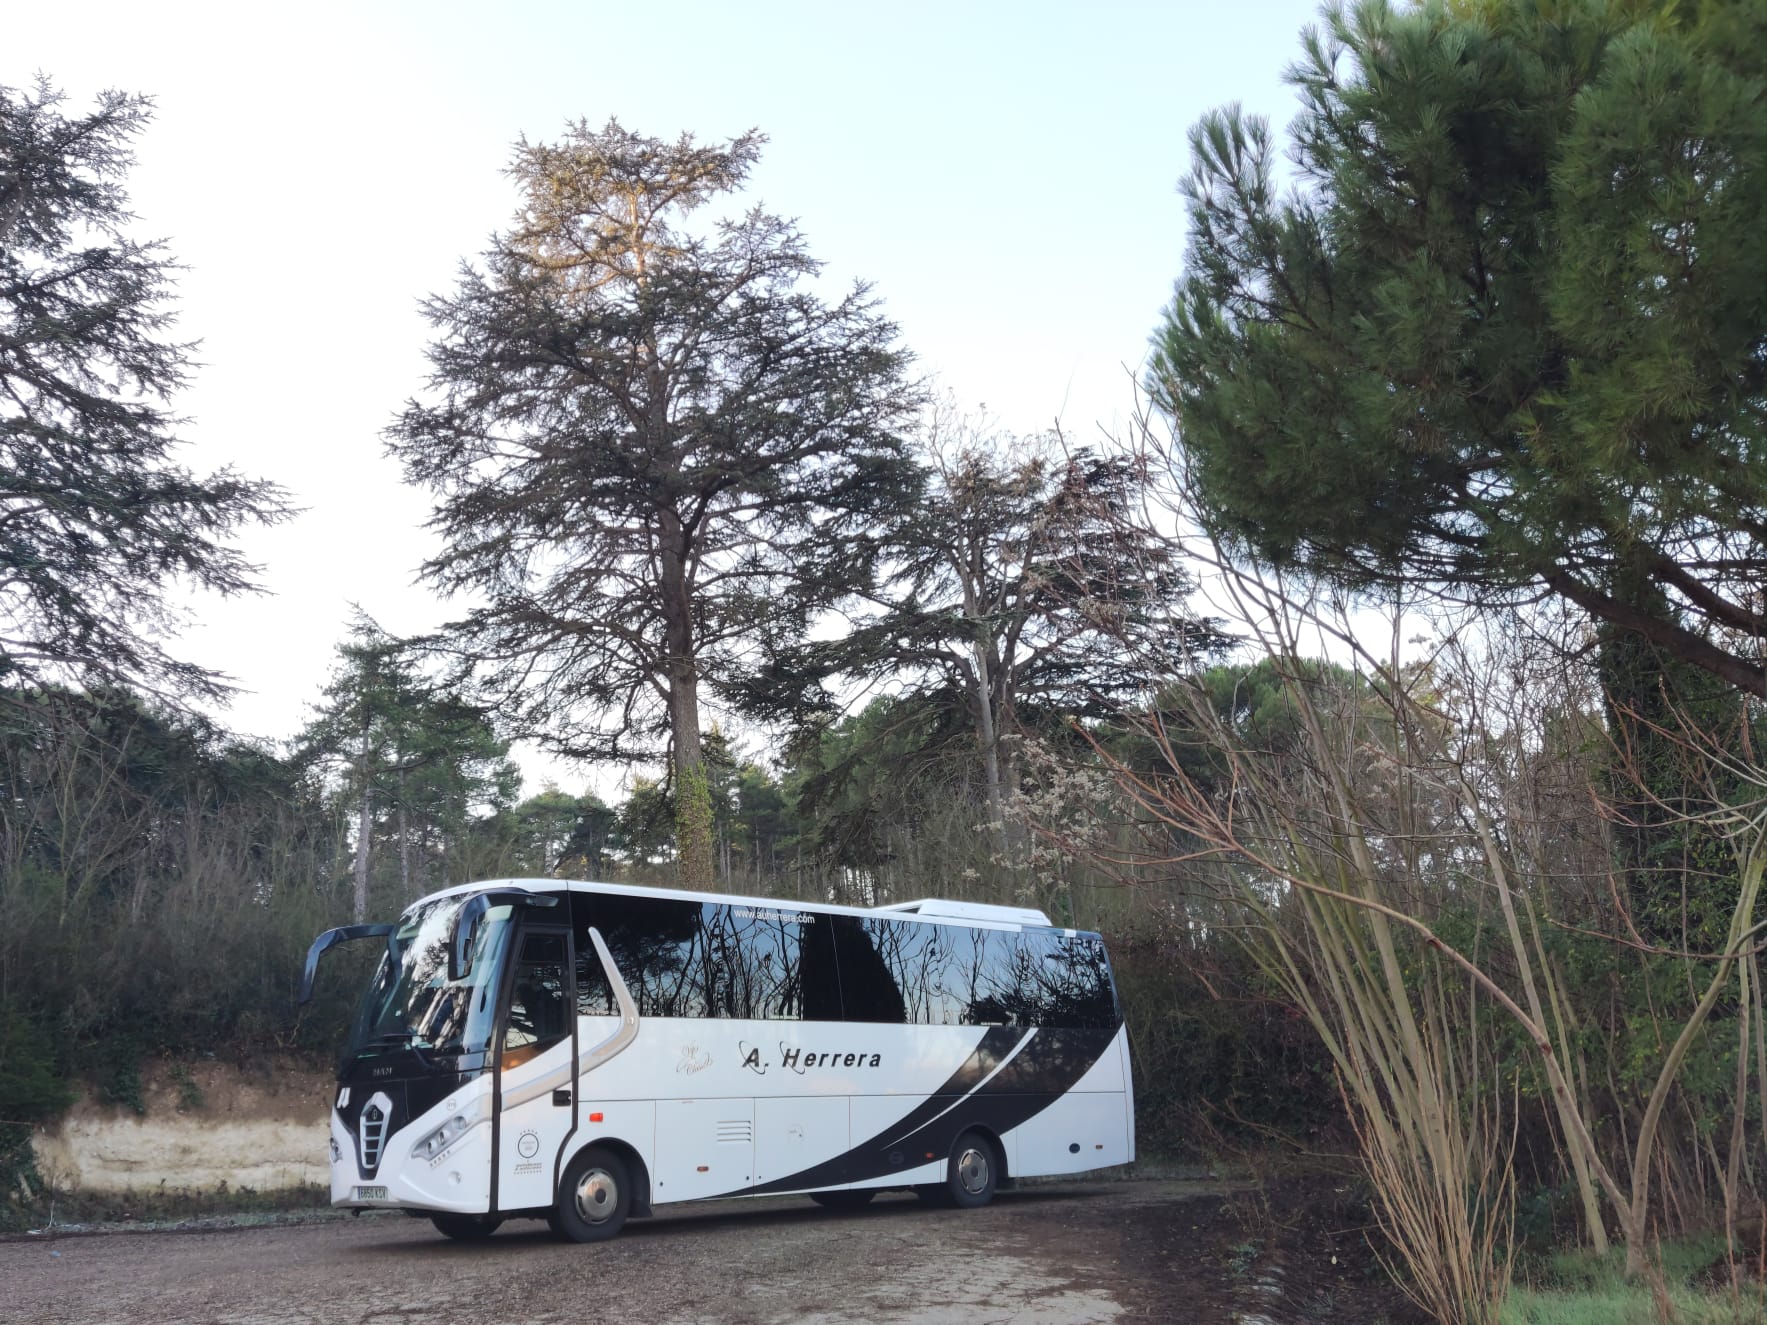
1068,1254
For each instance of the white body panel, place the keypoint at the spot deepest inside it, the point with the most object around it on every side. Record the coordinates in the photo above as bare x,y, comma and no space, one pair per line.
708,1148
534,1129
1076,1133
794,1132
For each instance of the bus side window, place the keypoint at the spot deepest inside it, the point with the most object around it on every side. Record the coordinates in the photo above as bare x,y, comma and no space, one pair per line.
869,991
1081,986
1066,982
994,976
655,946
762,966
537,1012
817,974
595,996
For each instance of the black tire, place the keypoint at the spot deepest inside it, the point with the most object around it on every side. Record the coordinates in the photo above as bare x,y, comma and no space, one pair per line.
593,1198
973,1172
854,1198
465,1228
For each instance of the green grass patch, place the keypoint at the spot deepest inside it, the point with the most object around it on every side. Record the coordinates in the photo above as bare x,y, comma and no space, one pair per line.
1579,1288
1628,1305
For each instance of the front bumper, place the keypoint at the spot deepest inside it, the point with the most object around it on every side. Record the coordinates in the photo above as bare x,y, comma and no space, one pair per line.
456,1180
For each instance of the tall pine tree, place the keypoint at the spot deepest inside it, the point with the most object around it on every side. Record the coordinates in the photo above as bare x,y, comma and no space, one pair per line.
1508,334
1507,337
653,448
96,515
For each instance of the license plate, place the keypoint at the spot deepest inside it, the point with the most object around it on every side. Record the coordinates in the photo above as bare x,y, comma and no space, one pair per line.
371,1193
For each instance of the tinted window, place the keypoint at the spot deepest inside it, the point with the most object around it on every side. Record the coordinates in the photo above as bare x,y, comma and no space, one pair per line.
955,975
537,999
1060,980
930,975
1072,982
654,943
997,972
595,997
869,991
688,959
753,961
818,970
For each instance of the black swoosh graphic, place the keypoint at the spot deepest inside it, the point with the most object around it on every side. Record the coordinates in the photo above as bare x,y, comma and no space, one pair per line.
1046,1069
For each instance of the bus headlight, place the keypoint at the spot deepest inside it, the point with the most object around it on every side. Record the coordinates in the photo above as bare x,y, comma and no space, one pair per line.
449,1132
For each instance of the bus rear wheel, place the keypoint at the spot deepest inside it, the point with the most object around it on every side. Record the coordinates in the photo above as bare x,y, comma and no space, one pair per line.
465,1228
853,1198
972,1173
593,1198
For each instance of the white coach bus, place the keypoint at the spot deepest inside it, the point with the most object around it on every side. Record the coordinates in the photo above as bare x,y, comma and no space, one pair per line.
579,1052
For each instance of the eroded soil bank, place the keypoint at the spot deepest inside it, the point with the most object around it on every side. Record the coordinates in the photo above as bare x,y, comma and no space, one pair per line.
208,1127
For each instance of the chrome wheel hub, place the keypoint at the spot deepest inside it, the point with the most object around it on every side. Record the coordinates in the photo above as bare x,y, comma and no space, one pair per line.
596,1196
972,1171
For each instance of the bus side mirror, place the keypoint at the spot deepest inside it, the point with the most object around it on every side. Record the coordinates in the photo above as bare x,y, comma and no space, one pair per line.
329,940
466,924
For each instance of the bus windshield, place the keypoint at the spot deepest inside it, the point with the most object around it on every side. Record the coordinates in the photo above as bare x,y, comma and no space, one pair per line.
411,1004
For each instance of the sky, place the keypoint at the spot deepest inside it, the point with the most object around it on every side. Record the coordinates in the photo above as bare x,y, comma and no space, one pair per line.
1003,174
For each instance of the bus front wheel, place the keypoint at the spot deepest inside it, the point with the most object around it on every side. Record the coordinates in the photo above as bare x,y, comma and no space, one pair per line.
593,1198
465,1228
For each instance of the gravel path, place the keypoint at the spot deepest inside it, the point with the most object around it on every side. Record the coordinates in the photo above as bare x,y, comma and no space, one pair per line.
1069,1254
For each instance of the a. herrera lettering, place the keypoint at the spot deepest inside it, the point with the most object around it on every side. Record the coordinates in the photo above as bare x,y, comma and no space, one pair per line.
796,1058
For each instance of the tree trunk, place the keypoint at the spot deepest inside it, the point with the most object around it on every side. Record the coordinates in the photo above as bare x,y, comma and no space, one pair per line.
989,739
693,793
404,845
1014,831
364,830
1677,890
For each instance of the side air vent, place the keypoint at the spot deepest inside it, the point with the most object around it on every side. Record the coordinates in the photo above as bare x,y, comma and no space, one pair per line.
739,1130
371,1132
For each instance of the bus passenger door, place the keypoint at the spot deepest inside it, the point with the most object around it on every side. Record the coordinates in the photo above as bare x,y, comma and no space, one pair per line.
536,1070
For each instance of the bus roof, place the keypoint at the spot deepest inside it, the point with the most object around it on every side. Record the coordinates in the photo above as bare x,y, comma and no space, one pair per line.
935,907
927,908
